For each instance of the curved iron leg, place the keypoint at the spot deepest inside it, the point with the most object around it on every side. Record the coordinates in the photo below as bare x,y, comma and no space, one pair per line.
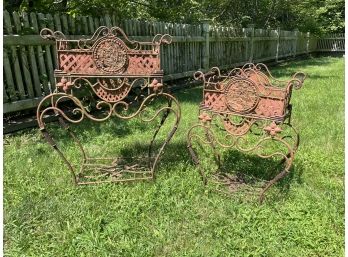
164,117
196,161
210,139
271,183
283,173
72,135
295,146
297,142
170,99
50,140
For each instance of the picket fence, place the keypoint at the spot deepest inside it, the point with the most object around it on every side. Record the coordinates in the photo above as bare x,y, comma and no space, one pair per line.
29,61
331,43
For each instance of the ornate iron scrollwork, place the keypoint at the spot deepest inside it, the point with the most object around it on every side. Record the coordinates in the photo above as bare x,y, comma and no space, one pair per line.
246,110
109,68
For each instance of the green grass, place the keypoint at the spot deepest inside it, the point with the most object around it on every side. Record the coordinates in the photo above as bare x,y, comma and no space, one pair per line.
46,215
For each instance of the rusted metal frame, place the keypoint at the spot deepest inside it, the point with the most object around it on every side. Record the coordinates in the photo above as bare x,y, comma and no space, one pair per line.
50,140
260,69
163,119
278,118
79,75
286,158
111,63
101,32
257,76
141,109
219,88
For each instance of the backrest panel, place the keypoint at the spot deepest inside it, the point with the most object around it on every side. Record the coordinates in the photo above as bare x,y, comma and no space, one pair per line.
248,91
108,52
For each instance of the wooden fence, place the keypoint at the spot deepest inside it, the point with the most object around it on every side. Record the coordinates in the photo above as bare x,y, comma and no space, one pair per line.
331,43
29,61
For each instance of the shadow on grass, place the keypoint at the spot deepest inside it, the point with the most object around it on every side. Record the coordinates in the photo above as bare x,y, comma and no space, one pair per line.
244,176
301,64
115,136
190,95
258,168
176,153
322,77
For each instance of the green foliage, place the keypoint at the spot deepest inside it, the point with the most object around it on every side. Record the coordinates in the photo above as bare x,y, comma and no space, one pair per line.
46,215
318,16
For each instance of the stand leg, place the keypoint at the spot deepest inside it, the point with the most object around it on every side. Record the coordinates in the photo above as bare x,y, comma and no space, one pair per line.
50,140
164,117
295,145
167,110
65,127
96,170
288,159
271,183
210,140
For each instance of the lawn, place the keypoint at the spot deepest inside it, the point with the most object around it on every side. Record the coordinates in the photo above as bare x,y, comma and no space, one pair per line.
46,215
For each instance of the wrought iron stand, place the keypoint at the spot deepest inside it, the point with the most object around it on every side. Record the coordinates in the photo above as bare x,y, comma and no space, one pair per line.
110,66
245,110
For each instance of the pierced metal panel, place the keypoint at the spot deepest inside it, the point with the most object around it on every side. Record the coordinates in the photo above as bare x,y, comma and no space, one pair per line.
247,109
109,65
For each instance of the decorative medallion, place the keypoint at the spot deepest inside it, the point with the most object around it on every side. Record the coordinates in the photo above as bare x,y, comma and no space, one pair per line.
64,84
204,117
110,55
155,85
273,129
241,95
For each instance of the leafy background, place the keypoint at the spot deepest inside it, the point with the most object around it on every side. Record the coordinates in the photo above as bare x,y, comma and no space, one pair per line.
316,16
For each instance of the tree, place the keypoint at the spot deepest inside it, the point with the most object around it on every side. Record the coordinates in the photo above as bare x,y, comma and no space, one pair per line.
317,16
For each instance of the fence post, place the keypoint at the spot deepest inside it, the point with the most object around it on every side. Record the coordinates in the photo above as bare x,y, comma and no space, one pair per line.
278,42
252,34
307,43
205,34
296,39
246,42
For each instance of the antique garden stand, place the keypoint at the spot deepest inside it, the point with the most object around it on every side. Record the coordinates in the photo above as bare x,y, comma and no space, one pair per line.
125,77
247,110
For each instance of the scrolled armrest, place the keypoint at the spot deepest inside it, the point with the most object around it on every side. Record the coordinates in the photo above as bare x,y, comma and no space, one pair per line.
51,35
159,39
199,75
298,79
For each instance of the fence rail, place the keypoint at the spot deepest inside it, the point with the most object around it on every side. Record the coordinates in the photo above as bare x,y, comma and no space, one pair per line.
331,43
29,61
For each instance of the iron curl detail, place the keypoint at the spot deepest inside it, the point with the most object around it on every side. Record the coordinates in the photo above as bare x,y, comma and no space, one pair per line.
52,35
159,39
118,73
247,110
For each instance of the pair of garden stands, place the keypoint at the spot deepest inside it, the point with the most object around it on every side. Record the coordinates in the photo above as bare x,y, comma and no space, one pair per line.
125,77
